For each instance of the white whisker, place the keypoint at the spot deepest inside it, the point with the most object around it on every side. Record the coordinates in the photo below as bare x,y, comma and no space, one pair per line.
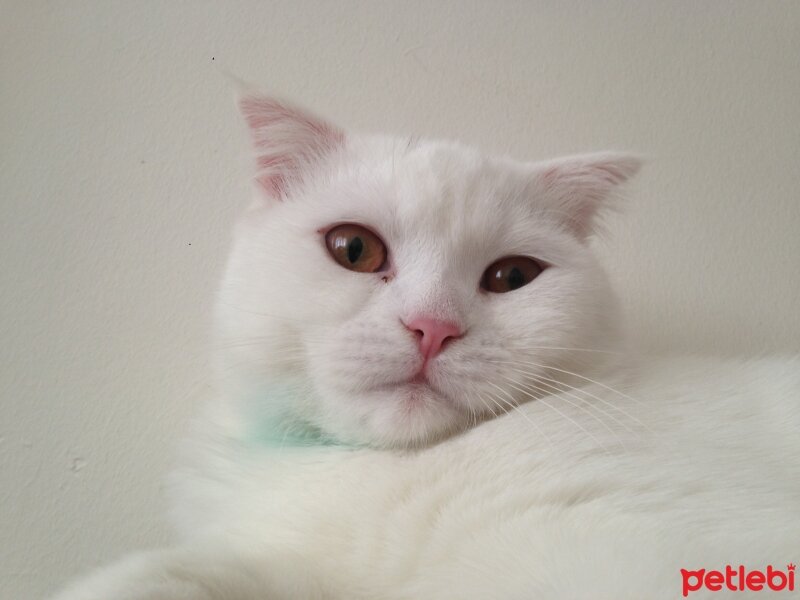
603,385
544,381
581,407
520,348
514,406
513,382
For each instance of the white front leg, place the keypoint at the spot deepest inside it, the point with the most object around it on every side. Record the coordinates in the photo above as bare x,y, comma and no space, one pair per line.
189,574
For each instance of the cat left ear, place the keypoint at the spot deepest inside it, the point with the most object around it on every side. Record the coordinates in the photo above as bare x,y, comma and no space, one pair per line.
578,187
289,142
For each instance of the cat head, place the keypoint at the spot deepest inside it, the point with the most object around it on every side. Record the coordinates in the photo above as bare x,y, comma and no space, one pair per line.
411,288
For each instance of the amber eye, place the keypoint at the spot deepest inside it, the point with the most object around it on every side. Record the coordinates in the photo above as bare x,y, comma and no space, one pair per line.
509,274
356,248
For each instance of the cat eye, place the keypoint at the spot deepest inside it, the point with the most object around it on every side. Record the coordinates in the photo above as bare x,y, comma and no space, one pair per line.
356,248
510,273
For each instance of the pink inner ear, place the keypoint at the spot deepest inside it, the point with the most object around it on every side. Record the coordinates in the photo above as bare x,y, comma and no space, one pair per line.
287,140
581,185
262,112
550,176
269,179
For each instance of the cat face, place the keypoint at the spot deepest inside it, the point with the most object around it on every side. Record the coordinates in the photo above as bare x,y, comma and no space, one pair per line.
411,288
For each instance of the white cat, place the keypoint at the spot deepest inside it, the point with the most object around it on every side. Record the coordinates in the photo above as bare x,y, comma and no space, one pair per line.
423,394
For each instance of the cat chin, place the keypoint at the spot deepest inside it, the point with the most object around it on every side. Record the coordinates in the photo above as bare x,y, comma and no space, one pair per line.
405,415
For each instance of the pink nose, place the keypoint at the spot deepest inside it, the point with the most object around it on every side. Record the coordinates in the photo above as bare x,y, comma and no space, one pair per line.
433,334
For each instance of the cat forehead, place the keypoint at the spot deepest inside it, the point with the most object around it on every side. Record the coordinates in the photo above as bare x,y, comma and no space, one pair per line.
434,195
439,166
429,181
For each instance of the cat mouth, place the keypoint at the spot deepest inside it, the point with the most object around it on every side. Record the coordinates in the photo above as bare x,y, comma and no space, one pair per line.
420,378
419,390
416,382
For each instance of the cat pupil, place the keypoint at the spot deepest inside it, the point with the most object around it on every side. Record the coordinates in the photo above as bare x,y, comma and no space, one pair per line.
355,249
515,279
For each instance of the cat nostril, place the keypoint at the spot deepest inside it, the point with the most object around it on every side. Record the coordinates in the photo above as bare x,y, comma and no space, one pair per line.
433,334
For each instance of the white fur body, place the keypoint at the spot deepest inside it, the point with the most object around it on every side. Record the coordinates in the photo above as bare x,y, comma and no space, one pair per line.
535,461
500,511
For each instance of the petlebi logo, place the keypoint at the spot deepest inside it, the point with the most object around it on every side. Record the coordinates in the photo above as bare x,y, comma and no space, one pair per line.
739,579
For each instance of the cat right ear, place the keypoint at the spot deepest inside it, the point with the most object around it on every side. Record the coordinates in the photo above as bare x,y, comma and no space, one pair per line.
288,141
579,187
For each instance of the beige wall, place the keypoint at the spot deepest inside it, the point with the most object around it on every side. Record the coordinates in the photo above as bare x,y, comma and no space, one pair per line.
123,164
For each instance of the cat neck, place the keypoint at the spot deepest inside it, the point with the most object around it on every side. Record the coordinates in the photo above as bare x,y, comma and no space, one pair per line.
270,422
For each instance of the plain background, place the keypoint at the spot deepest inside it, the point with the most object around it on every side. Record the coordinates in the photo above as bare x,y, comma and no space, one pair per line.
123,164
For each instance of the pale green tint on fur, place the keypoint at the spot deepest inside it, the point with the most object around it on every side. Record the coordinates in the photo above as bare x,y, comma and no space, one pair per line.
270,425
